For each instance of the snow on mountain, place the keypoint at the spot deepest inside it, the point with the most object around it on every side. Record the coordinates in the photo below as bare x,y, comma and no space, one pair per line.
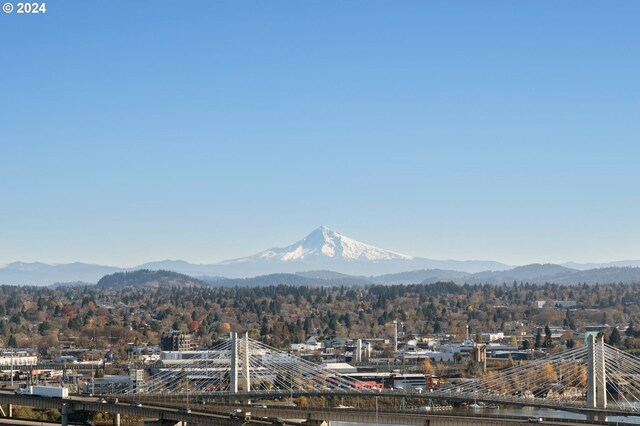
324,243
322,249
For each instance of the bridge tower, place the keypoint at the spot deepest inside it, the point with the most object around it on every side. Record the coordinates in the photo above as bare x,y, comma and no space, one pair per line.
245,361
235,362
233,379
596,373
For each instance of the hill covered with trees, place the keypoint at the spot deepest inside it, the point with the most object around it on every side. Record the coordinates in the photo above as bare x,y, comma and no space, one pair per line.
145,278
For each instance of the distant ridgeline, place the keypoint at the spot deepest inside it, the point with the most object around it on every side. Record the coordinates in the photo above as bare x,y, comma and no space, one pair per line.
145,278
534,274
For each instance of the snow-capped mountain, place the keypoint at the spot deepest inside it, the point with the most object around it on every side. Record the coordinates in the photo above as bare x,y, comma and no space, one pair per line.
329,254
322,250
327,249
324,244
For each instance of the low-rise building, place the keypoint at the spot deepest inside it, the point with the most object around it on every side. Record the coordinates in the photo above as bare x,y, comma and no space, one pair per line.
176,340
311,345
107,384
492,337
17,357
565,303
145,354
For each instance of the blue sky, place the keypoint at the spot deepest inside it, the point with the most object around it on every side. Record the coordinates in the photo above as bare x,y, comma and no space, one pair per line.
207,130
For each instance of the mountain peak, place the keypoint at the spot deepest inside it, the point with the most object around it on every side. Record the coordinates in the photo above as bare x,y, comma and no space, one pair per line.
322,232
324,243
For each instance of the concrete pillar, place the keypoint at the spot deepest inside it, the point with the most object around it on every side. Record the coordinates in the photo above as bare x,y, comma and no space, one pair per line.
64,420
596,373
591,374
10,410
479,356
358,354
601,383
136,377
116,419
233,385
245,368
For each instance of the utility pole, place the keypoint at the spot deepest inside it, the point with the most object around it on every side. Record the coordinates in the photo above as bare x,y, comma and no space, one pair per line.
12,351
395,337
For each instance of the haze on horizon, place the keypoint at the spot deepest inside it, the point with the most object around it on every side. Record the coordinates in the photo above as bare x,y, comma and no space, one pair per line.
206,131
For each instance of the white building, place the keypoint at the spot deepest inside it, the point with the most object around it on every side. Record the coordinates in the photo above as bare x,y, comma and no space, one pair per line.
17,357
413,352
311,345
340,367
492,337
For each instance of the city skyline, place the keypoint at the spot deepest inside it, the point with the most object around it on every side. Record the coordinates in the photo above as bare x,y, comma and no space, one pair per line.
494,130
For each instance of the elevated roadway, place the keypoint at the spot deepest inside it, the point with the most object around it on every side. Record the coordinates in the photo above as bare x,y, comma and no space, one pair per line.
576,406
170,413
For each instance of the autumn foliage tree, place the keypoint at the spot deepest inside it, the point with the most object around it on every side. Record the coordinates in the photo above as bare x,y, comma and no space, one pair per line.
426,367
194,326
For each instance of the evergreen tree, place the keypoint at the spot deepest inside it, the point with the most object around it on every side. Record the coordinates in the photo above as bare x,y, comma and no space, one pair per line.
538,342
630,330
614,337
308,326
548,342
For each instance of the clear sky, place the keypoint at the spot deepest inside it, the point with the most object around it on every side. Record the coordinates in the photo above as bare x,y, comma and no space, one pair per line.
205,130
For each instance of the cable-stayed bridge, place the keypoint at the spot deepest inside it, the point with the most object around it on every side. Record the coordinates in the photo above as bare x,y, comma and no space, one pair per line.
591,378
595,379
240,366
